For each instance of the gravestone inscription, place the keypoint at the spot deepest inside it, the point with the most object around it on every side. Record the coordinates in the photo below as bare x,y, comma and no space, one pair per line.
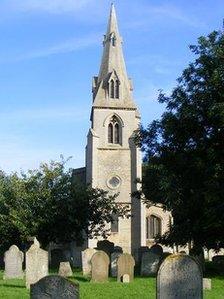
179,276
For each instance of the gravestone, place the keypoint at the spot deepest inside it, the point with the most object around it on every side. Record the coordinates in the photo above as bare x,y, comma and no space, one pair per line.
125,265
125,278
13,259
179,276
36,264
57,256
106,246
198,253
65,269
86,260
218,260
151,260
55,287
99,266
207,284
113,264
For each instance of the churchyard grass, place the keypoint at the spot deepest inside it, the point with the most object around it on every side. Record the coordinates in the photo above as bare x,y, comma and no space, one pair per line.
141,288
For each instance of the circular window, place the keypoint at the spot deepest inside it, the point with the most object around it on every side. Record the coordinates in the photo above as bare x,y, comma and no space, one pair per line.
114,182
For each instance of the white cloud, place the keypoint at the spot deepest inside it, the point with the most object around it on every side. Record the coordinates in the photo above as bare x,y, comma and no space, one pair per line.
67,46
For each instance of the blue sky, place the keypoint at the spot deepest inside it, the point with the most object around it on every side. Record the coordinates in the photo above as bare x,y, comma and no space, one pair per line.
50,49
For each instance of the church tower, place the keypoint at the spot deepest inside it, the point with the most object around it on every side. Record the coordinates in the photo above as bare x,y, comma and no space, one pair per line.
113,162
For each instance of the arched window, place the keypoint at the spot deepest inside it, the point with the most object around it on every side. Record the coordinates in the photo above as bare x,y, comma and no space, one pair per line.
153,227
112,89
113,41
110,133
114,224
114,131
117,89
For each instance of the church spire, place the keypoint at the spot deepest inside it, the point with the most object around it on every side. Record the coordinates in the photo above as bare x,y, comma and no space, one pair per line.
113,58
112,81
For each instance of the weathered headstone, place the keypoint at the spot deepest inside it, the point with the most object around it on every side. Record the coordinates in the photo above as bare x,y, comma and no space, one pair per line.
86,260
99,266
55,287
36,264
125,265
65,269
57,256
151,260
179,276
13,259
113,264
207,284
106,246
198,253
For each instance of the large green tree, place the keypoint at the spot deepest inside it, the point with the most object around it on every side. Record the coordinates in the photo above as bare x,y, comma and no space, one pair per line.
184,150
46,203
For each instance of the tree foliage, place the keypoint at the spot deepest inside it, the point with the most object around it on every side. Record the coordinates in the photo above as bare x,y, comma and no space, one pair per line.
46,203
184,150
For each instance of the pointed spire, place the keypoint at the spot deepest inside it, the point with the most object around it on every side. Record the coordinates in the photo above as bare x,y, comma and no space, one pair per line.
113,55
112,67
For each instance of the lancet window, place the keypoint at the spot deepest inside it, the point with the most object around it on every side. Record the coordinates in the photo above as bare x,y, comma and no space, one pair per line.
114,89
153,227
114,131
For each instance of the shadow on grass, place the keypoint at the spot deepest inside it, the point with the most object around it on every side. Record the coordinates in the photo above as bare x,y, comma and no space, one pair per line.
12,286
81,278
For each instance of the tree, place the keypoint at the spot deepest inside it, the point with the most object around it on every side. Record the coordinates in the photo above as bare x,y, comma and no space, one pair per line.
184,150
47,204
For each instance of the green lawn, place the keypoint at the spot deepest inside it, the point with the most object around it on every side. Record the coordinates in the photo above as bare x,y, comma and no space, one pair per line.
141,288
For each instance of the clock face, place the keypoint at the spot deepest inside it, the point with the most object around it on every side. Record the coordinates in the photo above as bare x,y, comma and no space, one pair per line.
114,182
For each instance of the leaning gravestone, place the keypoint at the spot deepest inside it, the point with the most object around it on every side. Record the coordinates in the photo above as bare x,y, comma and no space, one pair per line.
198,254
13,259
65,269
55,287
100,266
151,260
125,265
86,260
106,246
36,264
179,276
113,264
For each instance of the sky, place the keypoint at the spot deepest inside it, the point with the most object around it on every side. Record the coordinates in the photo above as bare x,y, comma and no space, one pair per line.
51,49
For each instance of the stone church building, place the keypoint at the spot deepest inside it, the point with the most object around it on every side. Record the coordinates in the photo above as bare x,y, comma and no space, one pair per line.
113,161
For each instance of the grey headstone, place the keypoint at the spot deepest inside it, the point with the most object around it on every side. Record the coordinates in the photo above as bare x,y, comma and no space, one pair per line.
86,260
65,269
218,260
151,260
113,264
13,259
106,246
99,266
179,276
207,284
54,287
125,265
36,264
198,254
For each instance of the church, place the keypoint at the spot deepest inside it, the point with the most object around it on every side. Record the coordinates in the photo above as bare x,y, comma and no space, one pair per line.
113,161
